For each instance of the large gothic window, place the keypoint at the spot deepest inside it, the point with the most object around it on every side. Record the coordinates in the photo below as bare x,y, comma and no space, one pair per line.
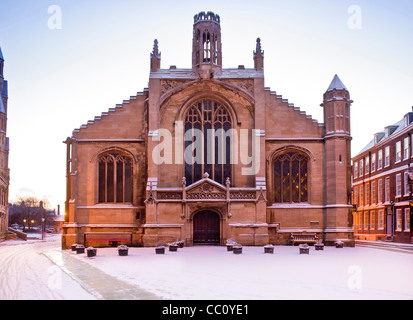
207,142
291,178
115,178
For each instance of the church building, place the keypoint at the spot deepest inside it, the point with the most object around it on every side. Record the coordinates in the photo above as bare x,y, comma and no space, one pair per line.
207,154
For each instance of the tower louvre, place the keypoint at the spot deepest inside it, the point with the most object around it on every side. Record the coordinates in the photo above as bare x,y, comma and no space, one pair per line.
207,46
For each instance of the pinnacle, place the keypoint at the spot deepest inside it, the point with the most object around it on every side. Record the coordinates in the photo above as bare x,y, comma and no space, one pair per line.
336,84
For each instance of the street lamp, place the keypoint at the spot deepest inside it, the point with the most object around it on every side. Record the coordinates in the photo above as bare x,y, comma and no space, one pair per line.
43,219
24,225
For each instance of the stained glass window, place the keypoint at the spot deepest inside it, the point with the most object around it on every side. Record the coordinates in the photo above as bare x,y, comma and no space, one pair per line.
291,178
210,122
115,179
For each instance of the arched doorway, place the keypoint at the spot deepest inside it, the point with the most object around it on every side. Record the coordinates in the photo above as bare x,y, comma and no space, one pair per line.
206,228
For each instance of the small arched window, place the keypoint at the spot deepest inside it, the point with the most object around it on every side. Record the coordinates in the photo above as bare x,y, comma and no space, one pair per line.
115,178
291,178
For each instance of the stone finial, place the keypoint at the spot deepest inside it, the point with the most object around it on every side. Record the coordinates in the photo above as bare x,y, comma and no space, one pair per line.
259,56
155,47
155,57
206,175
258,49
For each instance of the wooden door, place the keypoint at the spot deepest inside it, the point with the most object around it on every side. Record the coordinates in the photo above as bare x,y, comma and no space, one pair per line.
206,228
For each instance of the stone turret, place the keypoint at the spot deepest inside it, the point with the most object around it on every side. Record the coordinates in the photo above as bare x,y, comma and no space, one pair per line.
207,46
337,138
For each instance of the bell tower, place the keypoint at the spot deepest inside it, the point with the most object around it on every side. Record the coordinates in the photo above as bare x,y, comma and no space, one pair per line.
207,46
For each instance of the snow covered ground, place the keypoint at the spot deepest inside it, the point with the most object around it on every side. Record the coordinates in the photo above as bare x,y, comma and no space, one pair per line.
199,273
27,274
213,273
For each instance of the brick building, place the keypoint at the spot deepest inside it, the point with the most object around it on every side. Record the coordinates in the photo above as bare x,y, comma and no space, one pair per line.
206,154
4,154
381,189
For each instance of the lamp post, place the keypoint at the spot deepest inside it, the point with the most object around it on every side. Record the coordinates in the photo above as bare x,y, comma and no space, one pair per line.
24,225
43,231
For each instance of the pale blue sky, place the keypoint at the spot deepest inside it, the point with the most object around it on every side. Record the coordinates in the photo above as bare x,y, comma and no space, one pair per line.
60,79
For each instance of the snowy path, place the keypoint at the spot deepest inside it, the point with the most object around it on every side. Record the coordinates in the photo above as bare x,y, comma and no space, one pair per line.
26,274
100,284
40,270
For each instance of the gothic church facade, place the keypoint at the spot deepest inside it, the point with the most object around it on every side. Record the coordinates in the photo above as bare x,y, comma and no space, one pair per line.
207,154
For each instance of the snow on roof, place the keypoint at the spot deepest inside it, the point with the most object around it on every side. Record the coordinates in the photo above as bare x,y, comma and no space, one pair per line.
383,135
230,73
336,84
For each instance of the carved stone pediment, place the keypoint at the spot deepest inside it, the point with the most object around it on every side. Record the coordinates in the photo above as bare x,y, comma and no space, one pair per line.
206,189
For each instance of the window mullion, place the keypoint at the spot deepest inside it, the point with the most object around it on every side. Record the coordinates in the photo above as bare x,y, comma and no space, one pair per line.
282,181
299,181
106,182
115,179
124,182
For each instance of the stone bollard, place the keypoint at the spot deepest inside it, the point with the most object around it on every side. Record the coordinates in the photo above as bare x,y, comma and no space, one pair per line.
304,248
269,248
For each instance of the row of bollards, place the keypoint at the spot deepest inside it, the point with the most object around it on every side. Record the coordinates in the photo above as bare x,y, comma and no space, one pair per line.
91,252
233,246
319,246
123,250
173,247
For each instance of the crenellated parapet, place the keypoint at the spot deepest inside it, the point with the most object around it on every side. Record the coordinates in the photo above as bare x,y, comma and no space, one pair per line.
209,16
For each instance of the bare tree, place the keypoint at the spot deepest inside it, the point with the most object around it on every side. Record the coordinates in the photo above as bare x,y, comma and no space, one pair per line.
30,211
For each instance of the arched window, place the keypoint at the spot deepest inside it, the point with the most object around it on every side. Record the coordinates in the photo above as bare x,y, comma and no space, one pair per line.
291,178
115,178
207,47
207,142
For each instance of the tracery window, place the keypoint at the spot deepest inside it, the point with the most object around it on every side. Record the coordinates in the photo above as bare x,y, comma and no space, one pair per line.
207,141
115,178
291,178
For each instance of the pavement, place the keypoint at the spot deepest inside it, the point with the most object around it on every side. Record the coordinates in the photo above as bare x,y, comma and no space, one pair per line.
27,273
386,245
95,281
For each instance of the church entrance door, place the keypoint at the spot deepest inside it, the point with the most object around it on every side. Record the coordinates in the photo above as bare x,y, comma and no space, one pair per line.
206,228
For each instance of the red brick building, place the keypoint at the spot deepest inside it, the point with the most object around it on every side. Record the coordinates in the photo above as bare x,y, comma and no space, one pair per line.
381,189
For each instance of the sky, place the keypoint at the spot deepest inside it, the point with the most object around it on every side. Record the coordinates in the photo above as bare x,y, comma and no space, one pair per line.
68,61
